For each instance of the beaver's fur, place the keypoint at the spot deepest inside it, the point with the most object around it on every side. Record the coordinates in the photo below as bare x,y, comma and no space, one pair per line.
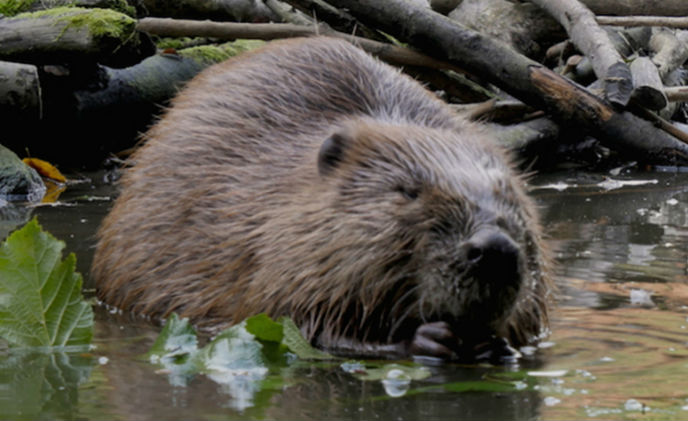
308,179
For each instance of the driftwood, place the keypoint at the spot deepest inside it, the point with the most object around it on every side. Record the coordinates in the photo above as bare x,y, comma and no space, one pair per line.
20,92
524,26
669,52
594,42
665,21
523,78
73,35
648,91
638,7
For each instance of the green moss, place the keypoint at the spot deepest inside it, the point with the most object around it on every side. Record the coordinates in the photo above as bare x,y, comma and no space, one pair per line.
12,7
123,7
176,43
100,22
214,54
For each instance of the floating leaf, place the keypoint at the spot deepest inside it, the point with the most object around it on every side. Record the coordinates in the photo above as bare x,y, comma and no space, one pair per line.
45,169
264,328
40,296
393,371
298,344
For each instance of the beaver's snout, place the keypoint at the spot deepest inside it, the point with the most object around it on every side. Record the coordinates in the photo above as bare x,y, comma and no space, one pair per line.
492,256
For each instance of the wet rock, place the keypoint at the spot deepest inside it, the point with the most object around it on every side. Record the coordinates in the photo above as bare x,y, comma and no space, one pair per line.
18,181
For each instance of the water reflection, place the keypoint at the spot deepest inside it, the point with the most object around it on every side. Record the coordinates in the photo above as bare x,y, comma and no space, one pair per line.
619,332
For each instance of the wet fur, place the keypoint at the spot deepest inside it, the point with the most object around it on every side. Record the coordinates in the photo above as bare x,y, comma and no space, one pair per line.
228,213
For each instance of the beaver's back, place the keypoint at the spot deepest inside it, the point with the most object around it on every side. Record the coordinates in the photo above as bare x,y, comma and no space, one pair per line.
239,139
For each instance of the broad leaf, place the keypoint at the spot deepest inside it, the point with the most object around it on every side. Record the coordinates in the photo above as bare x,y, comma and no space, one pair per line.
298,344
40,294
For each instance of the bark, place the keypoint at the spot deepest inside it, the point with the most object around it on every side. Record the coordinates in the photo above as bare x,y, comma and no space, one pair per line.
649,91
232,10
665,21
73,35
502,112
528,136
594,42
638,7
20,91
677,93
521,77
524,26
669,52
288,14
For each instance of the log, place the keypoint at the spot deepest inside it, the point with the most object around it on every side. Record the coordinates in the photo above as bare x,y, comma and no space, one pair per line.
527,138
638,7
629,21
69,34
524,26
669,52
20,92
523,78
649,91
594,42
677,93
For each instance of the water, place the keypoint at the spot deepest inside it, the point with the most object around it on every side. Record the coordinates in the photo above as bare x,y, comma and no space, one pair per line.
617,350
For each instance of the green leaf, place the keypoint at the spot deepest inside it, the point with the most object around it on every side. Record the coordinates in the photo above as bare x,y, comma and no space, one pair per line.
233,349
298,344
264,328
390,371
40,296
177,339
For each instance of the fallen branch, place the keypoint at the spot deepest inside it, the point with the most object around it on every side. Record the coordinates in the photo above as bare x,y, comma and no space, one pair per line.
20,92
594,42
268,31
638,7
73,35
676,93
666,21
523,78
669,52
649,91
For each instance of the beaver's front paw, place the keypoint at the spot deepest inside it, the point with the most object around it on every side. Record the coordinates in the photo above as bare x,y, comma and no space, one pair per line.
435,339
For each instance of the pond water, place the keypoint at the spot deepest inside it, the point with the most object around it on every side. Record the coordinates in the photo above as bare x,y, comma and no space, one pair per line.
618,348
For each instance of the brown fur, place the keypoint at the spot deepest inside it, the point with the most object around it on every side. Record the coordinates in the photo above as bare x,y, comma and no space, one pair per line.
230,210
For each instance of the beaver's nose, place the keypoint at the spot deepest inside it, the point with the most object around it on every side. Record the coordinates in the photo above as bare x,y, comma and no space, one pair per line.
493,256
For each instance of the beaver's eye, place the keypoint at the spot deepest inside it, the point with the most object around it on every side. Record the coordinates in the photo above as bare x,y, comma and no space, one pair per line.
409,193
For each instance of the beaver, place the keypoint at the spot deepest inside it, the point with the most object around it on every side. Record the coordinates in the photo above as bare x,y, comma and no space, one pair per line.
308,179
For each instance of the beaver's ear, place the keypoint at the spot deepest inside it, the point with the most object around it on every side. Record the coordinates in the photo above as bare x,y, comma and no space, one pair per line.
332,152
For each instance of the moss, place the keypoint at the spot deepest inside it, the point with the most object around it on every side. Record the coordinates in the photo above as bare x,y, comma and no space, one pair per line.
100,22
209,54
12,7
123,7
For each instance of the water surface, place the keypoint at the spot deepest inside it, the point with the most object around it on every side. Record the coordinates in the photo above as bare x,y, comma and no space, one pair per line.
617,350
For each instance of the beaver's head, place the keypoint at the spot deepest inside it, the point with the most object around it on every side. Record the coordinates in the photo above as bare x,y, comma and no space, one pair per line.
444,229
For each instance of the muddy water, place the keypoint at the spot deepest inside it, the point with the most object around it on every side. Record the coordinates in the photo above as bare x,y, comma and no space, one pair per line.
618,348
